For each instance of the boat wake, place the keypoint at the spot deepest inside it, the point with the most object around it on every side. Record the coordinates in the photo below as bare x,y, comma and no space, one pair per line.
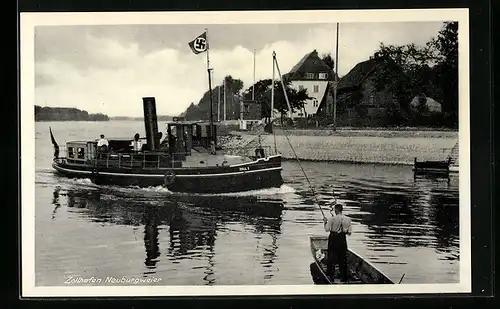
283,190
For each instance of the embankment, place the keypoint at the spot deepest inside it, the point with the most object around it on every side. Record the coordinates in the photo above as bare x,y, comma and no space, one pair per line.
356,146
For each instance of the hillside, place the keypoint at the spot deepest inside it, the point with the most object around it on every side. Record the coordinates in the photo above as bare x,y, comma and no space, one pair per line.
66,114
201,111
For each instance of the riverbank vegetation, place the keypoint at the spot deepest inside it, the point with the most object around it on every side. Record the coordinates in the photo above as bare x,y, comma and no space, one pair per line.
66,114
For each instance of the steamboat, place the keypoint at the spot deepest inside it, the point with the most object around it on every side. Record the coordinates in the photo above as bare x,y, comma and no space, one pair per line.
188,160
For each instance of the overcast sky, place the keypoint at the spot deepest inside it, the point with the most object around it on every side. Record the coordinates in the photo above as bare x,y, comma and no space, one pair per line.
109,69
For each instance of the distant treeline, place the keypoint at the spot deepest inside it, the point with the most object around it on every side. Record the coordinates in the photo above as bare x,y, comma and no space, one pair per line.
159,118
66,114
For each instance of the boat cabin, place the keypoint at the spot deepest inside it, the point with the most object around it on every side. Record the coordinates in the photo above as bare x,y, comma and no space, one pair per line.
183,136
80,151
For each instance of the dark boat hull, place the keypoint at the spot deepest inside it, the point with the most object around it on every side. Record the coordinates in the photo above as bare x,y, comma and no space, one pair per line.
259,174
360,271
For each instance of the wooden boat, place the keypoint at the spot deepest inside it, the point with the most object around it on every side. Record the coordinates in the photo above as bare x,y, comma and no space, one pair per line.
434,168
360,271
187,160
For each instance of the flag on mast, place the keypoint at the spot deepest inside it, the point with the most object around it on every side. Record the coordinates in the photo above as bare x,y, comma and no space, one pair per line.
200,44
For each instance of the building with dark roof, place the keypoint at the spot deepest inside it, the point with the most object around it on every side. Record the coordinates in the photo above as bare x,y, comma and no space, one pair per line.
313,74
358,99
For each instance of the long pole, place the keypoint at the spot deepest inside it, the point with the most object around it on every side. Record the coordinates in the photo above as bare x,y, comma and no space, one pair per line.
336,81
210,91
284,89
218,103
272,88
224,98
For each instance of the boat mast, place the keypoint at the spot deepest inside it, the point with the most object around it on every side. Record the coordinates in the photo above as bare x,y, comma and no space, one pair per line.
335,85
224,90
218,103
272,90
283,85
209,71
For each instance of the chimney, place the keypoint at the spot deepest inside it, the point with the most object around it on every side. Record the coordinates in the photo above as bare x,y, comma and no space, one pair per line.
151,123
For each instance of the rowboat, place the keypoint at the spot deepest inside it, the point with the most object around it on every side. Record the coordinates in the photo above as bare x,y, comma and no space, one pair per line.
360,271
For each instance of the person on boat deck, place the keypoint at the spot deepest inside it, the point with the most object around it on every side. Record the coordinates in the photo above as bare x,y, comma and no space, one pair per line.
338,226
212,148
102,144
136,143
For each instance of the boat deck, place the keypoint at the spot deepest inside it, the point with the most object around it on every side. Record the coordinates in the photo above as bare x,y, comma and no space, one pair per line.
360,271
200,159
353,278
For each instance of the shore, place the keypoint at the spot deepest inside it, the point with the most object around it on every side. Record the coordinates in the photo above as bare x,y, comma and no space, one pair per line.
352,145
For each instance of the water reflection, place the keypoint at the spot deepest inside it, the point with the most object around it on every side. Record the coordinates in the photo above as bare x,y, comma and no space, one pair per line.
192,222
395,213
423,215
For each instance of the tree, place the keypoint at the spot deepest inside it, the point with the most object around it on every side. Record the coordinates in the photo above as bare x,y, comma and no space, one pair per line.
202,110
233,88
261,88
296,97
447,70
431,69
328,60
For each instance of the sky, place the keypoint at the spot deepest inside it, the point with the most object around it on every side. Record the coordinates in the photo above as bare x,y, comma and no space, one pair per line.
109,68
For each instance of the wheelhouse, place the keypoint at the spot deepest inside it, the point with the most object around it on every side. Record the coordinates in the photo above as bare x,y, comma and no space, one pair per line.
186,135
80,151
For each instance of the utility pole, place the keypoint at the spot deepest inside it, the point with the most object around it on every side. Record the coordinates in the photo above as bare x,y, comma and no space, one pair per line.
224,98
335,85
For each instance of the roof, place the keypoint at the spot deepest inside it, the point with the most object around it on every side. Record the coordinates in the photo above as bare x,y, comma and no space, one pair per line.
310,63
360,73
432,105
357,74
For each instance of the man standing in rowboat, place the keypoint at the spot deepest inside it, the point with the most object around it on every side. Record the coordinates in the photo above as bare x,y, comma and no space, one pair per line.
339,226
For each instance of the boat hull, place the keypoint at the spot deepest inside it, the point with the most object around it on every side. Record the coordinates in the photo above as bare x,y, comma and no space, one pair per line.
360,271
255,175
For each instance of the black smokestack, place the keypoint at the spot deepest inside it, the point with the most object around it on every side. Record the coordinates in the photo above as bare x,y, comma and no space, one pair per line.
151,123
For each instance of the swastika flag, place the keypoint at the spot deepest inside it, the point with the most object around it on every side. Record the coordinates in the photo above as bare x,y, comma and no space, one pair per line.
200,44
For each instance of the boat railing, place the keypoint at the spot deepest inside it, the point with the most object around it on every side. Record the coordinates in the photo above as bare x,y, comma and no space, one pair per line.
251,151
125,159
140,160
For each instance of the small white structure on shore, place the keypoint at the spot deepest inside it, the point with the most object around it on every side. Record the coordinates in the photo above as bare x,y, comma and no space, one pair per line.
432,105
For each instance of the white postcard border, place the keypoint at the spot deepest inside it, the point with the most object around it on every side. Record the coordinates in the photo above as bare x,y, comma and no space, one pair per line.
28,22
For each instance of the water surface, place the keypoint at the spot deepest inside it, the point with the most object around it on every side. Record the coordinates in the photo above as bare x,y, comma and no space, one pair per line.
401,225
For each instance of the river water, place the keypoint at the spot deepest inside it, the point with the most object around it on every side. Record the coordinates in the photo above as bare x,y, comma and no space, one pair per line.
401,225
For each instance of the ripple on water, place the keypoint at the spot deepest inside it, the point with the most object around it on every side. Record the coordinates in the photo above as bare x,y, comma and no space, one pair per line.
404,226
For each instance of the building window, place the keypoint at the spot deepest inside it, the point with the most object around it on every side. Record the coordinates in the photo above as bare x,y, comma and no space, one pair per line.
323,75
316,88
315,103
309,75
